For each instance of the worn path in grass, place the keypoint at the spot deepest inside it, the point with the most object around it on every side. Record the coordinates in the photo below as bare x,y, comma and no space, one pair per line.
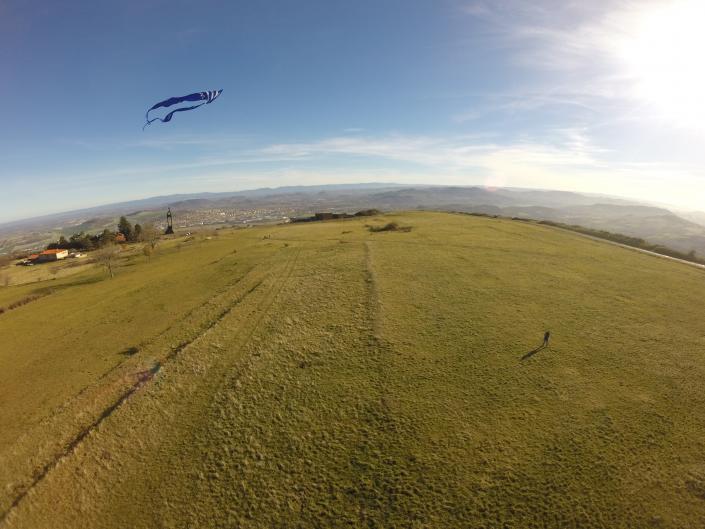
85,343
377,380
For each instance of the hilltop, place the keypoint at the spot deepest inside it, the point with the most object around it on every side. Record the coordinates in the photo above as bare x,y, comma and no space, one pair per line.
260,206
325,374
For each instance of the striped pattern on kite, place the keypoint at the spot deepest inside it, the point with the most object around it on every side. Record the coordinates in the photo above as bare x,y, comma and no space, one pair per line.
206,98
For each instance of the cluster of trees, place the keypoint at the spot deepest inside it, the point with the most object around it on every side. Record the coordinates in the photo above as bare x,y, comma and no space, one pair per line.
85,241
138,233
105,251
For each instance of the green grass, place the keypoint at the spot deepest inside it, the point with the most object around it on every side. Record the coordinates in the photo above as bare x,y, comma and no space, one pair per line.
327,376
13,275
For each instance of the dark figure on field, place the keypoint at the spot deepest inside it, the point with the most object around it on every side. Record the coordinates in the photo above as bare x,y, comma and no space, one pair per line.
546,339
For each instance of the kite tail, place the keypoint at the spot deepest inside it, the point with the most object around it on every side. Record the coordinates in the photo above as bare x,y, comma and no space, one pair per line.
167,118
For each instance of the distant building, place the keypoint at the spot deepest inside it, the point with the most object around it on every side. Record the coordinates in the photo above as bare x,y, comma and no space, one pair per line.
51,255
120,238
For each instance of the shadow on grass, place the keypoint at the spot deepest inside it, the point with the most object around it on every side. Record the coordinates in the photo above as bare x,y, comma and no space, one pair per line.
532,353
45,291
88,280
130,351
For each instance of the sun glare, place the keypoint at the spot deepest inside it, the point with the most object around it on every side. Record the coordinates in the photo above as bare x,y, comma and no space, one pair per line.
663,54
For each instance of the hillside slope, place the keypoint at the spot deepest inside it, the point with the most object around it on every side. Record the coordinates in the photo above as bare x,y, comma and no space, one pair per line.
656,225
321,375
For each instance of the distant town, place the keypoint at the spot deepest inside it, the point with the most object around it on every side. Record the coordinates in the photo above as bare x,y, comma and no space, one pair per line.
32,245
212,216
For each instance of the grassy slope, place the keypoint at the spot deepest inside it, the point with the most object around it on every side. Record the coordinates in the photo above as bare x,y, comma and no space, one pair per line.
20,275
64,340
365,379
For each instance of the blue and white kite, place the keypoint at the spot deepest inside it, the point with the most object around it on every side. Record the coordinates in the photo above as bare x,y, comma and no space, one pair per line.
206,98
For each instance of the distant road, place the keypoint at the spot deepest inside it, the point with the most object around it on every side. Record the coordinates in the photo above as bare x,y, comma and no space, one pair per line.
634,248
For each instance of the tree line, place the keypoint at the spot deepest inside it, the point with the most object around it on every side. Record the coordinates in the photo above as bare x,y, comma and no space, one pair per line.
620,238
628,240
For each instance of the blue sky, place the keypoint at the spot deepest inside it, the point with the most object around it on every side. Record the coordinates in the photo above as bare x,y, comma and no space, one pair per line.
551,94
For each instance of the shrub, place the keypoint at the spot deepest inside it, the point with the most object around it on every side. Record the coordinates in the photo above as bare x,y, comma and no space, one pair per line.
23,301
368,213
391,226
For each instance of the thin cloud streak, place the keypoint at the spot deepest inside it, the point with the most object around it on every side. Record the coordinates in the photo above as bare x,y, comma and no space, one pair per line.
573,163
446,153
569,161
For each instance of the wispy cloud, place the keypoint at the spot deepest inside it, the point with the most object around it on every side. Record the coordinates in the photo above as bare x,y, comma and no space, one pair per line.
580,40
567,158
470,156
521,102
582,66
441,152
173,142
571,161
218,141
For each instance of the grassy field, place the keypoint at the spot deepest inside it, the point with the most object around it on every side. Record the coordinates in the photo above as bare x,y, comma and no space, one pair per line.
320,375
20,275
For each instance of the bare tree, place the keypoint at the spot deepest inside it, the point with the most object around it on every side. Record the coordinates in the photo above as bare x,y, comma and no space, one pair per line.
150,235
148,250
106,257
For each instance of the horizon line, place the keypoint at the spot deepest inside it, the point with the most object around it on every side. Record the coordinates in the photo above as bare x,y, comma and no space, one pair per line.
5,223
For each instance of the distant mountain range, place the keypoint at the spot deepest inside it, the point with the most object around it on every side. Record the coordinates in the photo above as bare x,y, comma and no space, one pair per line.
683,232
150,203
